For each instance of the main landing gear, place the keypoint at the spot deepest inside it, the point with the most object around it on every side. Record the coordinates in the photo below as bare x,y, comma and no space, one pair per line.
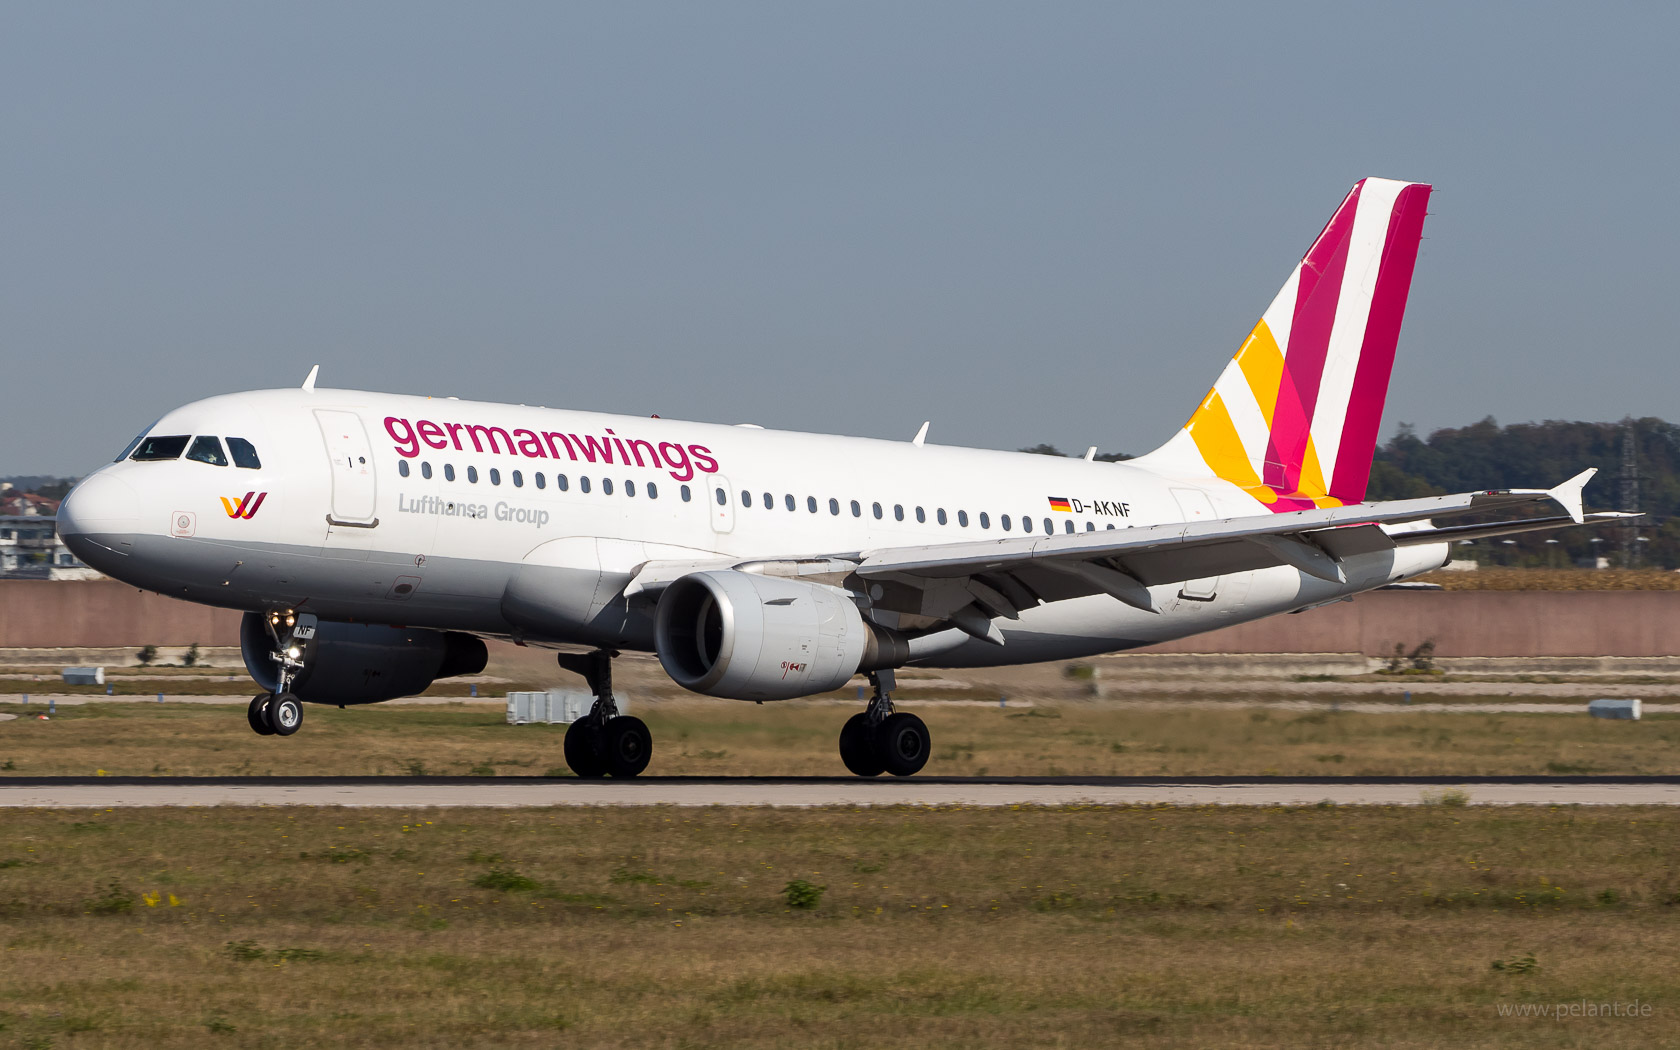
604,742
280,713
879,740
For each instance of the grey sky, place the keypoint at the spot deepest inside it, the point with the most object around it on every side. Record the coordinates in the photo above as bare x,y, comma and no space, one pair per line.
1027,222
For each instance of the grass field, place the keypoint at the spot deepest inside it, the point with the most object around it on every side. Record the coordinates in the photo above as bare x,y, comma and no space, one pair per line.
723,738
950,928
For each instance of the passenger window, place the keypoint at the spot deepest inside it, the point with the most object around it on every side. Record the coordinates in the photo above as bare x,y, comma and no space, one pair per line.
155,449
791,505
583,484
1049,527
652,490
561,482
921,515
833,506
877,512
746,498
245,454
1069,528
630,489
811,504
472,475
402,467
898,512
686,494
962,518
495,476
940,514
1004,521
606,486
542,482
449,472
1111,526
722,499
207,449
426,470
769,502
518,480
1026,524
857,509
985,522
1090,526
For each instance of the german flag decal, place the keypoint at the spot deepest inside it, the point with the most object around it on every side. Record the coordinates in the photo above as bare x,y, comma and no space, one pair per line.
1058,503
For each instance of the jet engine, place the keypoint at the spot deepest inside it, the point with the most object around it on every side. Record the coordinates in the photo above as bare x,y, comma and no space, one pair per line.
355,663
749,637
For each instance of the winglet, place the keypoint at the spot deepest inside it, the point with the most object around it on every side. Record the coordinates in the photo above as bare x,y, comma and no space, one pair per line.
309,383
921,435
1568,494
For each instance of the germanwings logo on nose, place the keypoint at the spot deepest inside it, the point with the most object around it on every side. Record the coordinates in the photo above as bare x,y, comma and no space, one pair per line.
243,508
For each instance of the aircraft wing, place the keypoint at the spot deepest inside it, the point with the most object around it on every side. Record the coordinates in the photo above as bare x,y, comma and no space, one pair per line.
970,584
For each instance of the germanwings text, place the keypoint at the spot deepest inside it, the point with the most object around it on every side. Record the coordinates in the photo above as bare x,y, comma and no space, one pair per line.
681,461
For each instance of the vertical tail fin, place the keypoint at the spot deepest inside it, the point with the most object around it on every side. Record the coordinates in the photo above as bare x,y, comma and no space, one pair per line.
1293,418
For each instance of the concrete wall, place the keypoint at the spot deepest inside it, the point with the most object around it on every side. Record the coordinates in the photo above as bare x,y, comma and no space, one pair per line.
105,613
39,613
1464,623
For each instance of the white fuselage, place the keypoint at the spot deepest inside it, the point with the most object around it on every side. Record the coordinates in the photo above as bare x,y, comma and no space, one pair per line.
528,523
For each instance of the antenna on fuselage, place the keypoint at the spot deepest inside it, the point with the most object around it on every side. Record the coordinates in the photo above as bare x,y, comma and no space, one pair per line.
309,383
921,435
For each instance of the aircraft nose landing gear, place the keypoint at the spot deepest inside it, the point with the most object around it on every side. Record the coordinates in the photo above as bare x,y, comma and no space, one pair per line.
280,713
879,740
604,742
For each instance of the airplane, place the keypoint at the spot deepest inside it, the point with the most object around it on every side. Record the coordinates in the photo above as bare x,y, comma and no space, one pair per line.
375,540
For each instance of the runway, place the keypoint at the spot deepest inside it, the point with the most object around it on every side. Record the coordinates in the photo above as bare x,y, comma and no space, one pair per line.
423,792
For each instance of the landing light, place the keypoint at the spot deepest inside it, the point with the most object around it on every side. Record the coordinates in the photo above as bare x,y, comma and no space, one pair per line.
294,652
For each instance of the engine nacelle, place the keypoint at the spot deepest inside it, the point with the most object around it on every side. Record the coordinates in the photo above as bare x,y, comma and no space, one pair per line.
356,663
749,637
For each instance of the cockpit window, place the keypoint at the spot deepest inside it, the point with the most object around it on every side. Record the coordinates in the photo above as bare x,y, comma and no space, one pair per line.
244,454
132,445
156,448
207,449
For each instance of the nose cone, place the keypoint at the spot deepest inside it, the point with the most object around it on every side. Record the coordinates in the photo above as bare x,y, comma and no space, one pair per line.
101,506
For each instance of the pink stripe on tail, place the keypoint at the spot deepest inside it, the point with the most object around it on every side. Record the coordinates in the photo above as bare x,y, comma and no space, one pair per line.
1309,342
1376,355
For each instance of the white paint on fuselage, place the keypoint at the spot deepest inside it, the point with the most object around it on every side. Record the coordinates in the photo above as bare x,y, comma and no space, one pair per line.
499,525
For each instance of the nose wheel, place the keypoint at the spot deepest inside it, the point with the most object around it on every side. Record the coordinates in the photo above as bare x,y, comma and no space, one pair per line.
280,713
272,715
880,740
603,742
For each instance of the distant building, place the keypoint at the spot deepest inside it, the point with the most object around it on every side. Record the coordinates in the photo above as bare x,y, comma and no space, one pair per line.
29,545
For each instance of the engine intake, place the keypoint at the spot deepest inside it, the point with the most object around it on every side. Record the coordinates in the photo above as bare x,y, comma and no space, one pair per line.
356,663
749,637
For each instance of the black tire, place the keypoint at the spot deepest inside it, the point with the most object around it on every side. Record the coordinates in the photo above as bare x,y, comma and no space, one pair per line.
627,746
583,749
903,744
257,714
285,714
857,747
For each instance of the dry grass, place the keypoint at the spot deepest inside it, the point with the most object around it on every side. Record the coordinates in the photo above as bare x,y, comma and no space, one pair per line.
722,738
1498,579
950,928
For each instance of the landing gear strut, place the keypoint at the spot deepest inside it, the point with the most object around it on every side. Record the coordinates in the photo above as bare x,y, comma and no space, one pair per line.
604,742
279,713
880,740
